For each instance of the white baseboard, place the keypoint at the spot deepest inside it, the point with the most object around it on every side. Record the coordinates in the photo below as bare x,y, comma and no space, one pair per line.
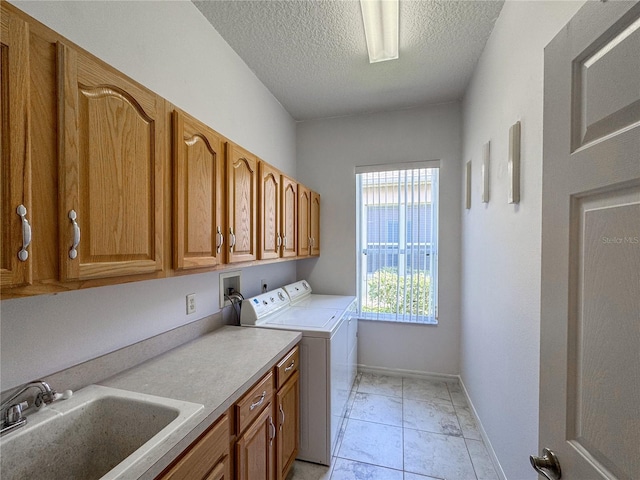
398,372
483,433
442,377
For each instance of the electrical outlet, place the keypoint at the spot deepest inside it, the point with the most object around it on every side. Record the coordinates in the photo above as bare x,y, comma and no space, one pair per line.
263,286
191,303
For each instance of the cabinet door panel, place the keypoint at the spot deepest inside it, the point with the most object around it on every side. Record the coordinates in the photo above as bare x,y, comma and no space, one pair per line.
221,471
288,403
314,223
15,163
198,185
241,204
254,449
289,217
304,210
207,458
112,171
270,236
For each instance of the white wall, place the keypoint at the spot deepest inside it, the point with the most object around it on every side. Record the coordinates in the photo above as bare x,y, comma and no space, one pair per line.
501,249
199,73
328,151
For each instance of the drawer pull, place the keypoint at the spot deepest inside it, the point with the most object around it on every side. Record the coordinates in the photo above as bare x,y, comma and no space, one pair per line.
290,366
259,402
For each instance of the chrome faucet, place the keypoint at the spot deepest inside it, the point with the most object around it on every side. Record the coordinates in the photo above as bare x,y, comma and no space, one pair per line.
11,411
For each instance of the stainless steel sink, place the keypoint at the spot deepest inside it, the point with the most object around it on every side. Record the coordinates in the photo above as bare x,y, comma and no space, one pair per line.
100,432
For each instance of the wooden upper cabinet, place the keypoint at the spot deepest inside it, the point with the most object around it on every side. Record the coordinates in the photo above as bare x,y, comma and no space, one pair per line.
308,222
242,172
314,224
15,163
304,210
198,168
289,221
112,149
270,233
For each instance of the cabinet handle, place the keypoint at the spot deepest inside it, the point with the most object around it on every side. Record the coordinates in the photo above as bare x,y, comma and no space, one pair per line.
282,414
23,254
290,366
278,241
220,239
259,402
232,239
284,242
273,430
73,251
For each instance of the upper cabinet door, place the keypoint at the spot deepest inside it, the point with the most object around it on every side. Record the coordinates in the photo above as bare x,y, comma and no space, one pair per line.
314,223
270,235
242,170
15,165
198,184
304,210
289,217
112,152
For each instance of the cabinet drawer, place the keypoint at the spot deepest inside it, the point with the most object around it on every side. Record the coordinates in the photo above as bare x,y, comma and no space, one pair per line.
203,455
287,366
252,403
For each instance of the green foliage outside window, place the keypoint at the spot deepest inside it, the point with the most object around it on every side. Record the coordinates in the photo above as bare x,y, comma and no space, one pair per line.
386,293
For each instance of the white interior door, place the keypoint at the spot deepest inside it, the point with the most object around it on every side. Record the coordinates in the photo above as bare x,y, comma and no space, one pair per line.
590,330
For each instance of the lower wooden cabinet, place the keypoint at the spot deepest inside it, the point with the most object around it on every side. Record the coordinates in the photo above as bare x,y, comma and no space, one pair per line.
207,459
255,449
257,439
288,415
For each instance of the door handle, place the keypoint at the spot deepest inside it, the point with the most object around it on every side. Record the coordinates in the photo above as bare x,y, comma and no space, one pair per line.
547,465
23,254
232,239
73,251
220,239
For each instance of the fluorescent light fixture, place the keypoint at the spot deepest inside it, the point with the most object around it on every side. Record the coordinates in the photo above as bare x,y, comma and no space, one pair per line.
381,29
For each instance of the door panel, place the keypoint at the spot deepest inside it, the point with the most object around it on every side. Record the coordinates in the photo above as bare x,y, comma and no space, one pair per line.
112,171
289,217
605,96
254,449
270,236
304,210
314,223
198,184
15,161
590,306
242,172
288,402
604,329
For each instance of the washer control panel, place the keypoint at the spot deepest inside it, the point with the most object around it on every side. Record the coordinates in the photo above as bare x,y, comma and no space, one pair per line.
256,308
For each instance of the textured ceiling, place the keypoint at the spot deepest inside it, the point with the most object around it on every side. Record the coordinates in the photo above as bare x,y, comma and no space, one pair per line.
311,54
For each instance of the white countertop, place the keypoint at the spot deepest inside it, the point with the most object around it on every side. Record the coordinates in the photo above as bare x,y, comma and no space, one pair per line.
213,370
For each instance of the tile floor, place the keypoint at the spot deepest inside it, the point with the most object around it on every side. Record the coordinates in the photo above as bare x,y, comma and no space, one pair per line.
401,428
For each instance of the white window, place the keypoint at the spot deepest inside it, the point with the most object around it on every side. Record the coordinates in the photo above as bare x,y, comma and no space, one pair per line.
397,238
